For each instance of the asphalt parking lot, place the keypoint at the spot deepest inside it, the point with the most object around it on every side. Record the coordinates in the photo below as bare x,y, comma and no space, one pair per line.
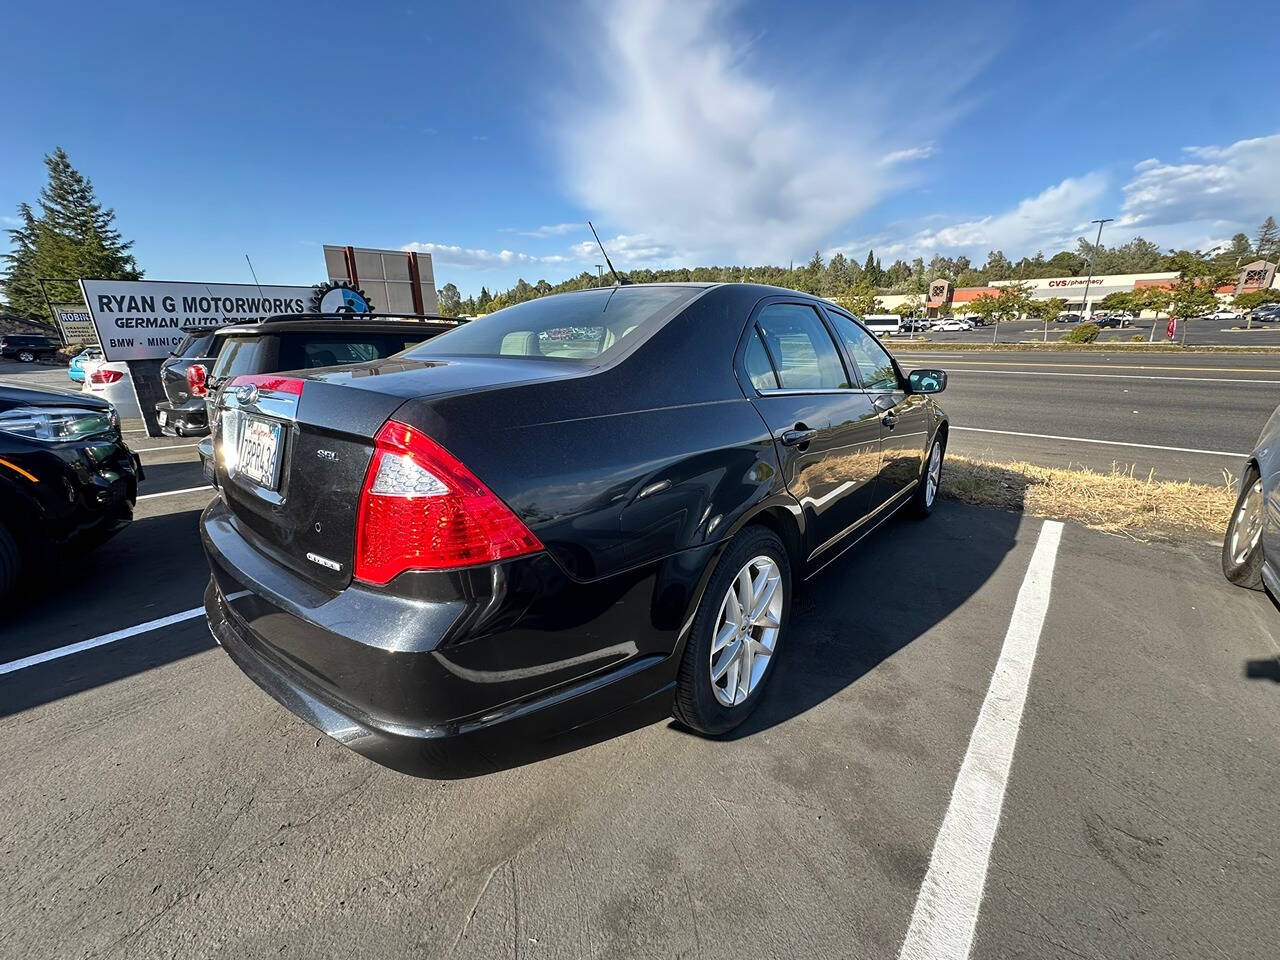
159,804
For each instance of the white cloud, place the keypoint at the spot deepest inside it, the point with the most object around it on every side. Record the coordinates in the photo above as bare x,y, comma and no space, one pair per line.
907,155
474,258
684,140
630,249
1050,220
1232,187
551,230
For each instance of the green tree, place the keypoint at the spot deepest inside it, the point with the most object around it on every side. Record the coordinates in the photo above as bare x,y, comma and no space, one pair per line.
23,269
998,266
1155,299
1118,301
1048,311
838,275
450,301
984,306
1011,303
1194,291
72,236
1267,239
860,299
483,301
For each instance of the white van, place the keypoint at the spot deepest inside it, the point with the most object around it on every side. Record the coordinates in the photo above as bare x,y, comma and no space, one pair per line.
883,324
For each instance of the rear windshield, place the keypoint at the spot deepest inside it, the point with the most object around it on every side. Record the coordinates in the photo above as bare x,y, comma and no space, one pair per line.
240,355
302,351
196,345
571,327
306,350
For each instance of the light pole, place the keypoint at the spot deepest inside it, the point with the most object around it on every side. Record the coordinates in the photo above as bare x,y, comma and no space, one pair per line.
1084,302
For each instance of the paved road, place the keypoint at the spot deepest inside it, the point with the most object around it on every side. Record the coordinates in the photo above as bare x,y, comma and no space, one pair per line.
1210,407
158,804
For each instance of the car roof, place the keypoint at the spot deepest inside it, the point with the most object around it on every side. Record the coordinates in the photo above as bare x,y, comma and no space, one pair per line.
339,323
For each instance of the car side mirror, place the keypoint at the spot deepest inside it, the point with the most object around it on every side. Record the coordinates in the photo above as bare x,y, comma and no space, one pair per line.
928,381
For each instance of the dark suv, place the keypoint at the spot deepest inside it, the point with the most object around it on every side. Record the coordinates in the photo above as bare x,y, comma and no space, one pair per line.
307,341
26,347
183,414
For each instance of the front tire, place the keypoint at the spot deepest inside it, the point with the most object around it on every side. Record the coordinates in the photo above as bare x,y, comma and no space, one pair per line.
926,495
26,356
733,642
1242,546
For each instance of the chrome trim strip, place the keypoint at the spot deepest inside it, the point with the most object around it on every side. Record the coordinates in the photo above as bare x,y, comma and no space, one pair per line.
865,518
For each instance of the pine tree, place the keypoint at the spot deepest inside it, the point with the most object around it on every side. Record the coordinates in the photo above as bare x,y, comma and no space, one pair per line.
74,236
22,270
1268,238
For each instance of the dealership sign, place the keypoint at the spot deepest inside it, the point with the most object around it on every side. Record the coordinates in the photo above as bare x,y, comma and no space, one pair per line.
76,323
144,319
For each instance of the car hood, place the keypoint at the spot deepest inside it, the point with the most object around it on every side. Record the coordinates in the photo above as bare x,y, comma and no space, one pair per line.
11,397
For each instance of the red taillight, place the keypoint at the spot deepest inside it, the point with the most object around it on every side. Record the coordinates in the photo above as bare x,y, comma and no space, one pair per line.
102,377
421,509
197,380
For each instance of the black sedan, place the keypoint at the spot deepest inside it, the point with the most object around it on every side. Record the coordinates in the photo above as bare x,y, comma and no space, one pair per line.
67,479
571,505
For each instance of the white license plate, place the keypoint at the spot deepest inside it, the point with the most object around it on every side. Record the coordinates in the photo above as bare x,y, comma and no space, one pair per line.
260,452
162,418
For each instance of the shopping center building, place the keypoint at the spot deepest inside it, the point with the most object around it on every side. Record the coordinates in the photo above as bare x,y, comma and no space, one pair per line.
1082,294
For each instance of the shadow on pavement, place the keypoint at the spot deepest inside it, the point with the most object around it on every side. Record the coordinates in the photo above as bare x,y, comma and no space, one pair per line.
888,591
885,593
151,569
1264,668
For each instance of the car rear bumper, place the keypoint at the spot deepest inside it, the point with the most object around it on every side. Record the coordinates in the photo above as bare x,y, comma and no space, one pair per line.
476,674
188,419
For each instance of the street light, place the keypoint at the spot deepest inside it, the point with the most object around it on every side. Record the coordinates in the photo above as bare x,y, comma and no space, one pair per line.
1084,301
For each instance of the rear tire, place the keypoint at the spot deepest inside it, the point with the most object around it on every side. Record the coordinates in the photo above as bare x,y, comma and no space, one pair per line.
1242,546
926,495
755,565
10,563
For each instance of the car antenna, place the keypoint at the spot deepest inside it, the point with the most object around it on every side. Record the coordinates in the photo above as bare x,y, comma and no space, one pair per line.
255,275
617,279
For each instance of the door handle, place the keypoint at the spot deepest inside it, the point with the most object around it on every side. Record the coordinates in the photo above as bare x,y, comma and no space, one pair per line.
798,437
885,404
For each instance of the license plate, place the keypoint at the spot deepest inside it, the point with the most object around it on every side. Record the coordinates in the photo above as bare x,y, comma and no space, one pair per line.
260,452
162,418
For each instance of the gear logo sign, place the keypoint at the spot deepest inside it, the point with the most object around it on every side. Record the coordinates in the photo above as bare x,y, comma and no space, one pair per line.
340,296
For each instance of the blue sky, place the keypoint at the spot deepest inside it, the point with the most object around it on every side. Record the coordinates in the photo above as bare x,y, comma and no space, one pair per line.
689,132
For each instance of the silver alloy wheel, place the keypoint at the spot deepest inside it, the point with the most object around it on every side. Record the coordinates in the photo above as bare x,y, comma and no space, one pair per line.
934,475
1246,526
746,634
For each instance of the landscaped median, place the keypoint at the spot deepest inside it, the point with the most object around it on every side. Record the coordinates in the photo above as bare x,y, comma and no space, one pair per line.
1108,346
1116,502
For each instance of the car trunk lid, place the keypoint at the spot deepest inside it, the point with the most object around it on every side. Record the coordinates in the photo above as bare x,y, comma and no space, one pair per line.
293,451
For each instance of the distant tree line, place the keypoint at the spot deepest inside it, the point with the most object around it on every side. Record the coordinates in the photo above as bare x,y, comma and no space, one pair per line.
856,285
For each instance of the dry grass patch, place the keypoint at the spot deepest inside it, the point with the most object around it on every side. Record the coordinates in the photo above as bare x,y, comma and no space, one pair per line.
1116,502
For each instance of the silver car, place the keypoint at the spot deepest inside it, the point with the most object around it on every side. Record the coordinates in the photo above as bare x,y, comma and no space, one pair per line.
1251,549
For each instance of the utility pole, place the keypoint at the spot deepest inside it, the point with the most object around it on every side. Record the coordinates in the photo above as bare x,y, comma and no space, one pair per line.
1093,257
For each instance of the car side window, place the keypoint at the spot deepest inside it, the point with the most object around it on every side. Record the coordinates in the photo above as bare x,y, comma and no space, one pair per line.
759,368
875,368
800,346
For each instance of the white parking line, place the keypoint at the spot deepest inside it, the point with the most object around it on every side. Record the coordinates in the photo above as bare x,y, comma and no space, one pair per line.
1105,443
174,493
72,648
946,910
